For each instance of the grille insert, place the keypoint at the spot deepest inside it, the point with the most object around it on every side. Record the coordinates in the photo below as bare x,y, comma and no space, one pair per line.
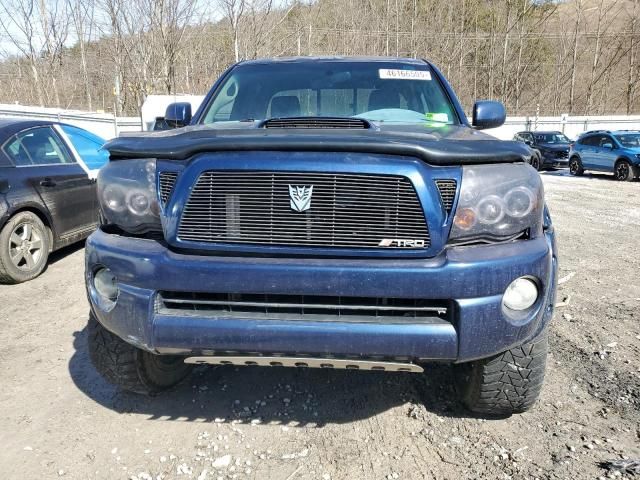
316,122
167,180
303,307
346,210
447,189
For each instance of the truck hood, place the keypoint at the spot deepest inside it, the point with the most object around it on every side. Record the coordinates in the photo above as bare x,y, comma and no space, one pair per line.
438,145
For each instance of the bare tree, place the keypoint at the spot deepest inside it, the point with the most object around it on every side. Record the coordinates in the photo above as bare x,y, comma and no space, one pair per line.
17,23
574,55
82,15
632,77
234,9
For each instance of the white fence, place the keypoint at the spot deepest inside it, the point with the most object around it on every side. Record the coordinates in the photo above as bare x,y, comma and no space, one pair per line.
103,124
108,126
570,126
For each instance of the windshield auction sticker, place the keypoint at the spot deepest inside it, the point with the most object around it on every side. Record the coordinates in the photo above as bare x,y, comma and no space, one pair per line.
391,73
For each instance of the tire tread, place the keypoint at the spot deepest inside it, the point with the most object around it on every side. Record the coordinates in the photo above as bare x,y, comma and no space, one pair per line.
120,363
506,383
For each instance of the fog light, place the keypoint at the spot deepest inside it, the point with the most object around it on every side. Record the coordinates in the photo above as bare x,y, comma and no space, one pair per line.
106,284
521,294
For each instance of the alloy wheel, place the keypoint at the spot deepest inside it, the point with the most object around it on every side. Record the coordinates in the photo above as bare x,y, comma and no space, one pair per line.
25,246
573,167
622,171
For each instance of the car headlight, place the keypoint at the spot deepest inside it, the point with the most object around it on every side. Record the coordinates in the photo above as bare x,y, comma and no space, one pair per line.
498,202
128,197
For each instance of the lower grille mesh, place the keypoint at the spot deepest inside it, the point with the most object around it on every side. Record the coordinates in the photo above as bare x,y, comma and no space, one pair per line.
345,210
304,307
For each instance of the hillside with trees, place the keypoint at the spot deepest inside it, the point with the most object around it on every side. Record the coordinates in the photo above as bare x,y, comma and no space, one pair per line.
551,57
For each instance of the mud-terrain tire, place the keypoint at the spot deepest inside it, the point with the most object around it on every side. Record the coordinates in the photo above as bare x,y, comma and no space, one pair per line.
506,383
25,243
624,171
131,368
575,167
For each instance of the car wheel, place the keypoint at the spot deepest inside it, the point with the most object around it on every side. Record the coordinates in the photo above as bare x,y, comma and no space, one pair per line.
624,171
131,368
575,166
535,162
506,383
24,248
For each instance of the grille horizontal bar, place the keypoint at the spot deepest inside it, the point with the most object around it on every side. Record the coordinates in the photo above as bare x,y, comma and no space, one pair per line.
345,210
304,307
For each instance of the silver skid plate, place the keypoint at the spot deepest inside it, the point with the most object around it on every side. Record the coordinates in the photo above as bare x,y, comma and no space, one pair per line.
302,362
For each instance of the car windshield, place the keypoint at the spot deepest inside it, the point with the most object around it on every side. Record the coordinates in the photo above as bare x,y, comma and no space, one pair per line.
551,138
377,91
629,140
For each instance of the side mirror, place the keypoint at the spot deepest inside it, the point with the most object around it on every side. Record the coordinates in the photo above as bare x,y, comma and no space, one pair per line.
488,114
528,142
178,114
607,146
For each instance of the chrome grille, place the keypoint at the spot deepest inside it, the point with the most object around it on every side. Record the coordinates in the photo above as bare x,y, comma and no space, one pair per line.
447,189
167,181
562,154
347,210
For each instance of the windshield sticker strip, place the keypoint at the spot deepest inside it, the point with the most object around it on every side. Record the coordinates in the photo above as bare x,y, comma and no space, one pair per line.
394,74
437,117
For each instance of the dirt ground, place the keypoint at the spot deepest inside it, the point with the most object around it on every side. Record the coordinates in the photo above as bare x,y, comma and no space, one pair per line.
58,418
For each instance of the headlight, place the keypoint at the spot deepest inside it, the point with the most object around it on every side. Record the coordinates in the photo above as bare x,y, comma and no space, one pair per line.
498,202
128,197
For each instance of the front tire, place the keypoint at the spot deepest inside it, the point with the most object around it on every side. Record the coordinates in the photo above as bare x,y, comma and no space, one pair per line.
536,161
24,248
131,368
507,383
624,171
575,167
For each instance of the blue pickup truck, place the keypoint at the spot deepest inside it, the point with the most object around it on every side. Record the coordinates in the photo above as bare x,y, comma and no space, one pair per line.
325,213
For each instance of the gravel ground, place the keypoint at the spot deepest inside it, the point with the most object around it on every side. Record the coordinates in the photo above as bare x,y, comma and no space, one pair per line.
58,418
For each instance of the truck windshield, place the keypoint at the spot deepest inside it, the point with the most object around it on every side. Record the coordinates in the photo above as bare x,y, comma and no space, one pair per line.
377,91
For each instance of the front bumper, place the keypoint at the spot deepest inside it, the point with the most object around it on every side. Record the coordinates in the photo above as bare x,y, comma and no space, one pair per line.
471,279
549,159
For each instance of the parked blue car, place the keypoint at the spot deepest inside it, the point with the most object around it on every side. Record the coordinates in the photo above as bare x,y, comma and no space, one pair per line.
326,213
616,152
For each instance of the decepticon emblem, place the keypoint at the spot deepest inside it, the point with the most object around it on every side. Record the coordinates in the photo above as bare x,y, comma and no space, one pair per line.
300,197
